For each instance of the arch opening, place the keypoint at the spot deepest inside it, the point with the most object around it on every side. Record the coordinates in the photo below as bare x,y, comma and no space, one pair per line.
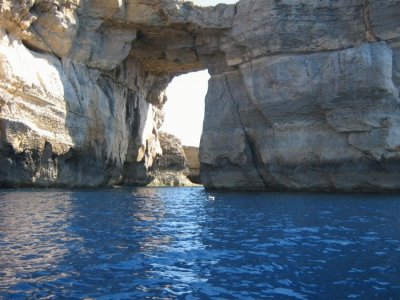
183,119
184,109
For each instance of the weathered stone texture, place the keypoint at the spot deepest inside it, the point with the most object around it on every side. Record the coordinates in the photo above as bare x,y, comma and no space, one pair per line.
171,168
192,156
312,102
304,94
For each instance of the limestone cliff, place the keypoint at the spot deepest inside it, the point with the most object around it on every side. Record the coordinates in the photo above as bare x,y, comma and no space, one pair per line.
304,94
311,101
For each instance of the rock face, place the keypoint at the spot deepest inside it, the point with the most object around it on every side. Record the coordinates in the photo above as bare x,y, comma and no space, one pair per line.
192,156
171,168
303,95
311,101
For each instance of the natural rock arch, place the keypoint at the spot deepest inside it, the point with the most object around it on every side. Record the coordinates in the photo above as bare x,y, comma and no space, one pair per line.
303,94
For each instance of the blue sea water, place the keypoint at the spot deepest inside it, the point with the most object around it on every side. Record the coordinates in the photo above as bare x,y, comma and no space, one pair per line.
187,243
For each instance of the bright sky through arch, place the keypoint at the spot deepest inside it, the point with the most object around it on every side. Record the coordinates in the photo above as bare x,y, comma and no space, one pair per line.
184,110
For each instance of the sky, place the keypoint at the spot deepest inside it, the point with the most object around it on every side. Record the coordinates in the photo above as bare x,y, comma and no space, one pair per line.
184,110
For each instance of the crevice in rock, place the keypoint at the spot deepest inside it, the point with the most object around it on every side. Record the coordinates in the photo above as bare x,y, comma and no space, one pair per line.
370,35
249,141
79,115
257,105
38,50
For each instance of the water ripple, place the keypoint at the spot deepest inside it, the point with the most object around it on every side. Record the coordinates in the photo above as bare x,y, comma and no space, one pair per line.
171,243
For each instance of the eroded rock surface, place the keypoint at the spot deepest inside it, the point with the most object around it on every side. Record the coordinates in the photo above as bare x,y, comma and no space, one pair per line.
311,101
171,168
192,156
303,95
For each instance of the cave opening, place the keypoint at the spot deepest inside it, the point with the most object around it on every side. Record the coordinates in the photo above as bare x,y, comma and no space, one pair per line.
184,115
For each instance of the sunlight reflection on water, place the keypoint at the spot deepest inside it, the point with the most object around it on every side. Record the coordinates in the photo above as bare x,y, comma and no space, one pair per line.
150,243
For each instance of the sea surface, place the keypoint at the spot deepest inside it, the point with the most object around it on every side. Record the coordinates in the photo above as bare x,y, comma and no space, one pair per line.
187,243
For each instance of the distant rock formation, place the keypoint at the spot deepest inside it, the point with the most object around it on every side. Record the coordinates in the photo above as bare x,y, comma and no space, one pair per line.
303,95
171,168
192,156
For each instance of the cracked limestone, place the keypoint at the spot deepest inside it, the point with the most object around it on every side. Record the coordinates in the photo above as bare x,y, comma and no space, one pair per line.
303,95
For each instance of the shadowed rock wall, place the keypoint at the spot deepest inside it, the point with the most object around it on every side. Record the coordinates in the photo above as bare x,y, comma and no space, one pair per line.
303,95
